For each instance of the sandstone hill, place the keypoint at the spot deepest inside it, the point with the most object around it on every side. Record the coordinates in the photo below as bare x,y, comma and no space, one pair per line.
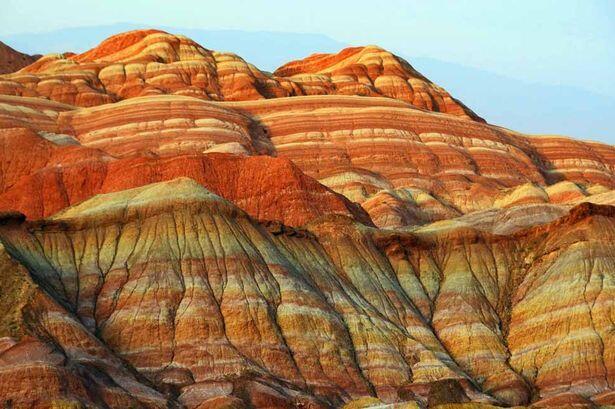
181,230
151,62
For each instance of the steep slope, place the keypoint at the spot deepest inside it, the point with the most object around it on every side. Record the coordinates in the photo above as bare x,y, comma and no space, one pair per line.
152,62
12,60
49,359
226,300
490,309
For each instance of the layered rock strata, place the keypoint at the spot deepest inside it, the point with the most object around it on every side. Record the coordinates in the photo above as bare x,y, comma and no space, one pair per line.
404,166
291,240
333,313
153,62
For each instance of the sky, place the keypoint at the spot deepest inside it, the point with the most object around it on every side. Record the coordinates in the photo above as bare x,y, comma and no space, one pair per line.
564,42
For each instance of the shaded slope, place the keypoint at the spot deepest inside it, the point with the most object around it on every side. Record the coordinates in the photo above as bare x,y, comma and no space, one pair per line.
12,60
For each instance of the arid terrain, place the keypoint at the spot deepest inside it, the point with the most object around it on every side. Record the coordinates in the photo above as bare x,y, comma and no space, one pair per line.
179,229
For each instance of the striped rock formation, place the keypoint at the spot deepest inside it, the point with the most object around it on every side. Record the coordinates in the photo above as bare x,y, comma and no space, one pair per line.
370,71
403,165
407,166
165,126
284,241
241,310
153,62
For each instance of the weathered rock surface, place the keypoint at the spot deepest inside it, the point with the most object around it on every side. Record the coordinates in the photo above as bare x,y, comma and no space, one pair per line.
49,359
241,249
270,315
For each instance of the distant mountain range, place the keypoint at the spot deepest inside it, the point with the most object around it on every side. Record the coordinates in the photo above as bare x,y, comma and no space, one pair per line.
524,106
513,103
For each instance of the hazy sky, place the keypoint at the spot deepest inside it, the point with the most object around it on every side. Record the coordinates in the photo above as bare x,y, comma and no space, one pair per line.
556,42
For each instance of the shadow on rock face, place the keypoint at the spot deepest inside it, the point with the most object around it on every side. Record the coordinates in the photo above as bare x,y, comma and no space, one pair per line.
446,391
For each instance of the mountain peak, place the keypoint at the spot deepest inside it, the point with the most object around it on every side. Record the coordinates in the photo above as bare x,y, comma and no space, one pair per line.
146,201
328,62
371,70
147,45
116,43
104,75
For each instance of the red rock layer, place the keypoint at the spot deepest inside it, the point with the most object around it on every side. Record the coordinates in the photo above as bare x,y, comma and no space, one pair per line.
58,172
42,154
267,188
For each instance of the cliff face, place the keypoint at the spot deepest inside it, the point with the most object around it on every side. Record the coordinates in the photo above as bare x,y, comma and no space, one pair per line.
291,240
